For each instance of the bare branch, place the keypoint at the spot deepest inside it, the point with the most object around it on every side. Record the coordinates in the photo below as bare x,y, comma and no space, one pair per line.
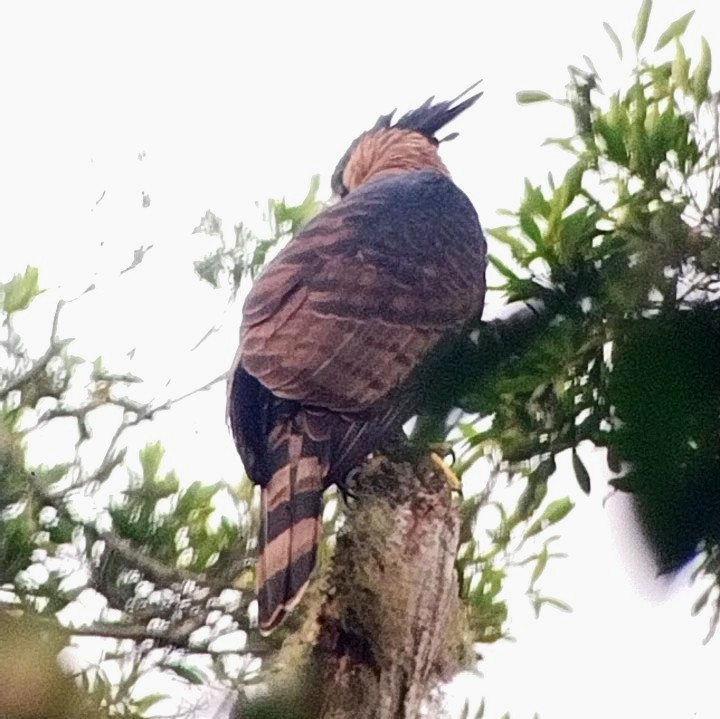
176,637
172,636
152,568
208,334
56,346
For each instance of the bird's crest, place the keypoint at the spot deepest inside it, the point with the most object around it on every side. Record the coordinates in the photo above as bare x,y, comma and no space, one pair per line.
427,119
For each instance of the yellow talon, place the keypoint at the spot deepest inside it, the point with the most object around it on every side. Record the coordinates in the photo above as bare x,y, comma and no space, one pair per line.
450,477
444,449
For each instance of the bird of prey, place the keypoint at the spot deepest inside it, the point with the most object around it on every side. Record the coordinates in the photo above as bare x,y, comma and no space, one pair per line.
337,327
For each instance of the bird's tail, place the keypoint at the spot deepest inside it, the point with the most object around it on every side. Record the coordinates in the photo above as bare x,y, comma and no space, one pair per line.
290,523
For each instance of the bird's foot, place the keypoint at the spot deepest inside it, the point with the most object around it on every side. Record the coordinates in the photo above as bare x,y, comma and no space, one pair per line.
405,450
453,481
443,450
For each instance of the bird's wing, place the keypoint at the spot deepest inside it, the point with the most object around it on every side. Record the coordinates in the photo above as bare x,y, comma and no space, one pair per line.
347,310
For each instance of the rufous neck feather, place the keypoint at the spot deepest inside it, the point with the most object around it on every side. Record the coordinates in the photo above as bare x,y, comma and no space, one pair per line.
388,152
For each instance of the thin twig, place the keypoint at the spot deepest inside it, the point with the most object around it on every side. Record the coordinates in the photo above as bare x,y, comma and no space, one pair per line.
204,388
207,335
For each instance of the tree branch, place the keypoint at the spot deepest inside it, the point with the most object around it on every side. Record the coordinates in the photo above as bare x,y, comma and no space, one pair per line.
151,568
174,637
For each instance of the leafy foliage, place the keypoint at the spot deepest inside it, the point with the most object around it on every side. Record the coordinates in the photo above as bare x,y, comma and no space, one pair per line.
249,253
157,554
20,291
621,258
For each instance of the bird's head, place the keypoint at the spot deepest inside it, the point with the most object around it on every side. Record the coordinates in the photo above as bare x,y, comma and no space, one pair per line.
407,144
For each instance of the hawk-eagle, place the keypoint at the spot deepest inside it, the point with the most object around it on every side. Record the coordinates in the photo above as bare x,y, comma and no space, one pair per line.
337,325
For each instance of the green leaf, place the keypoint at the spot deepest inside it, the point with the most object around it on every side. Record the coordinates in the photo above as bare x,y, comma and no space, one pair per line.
674,30
502,268
614,140
209,268
143,704
502,234
615,39
701,601
540,565
49,475
545,469
150,457
166,487
554,512
641,24
62,531
210,224
699,81
565,142
572,182
525,97
557,603
298,215
536,489
638,143
557,510
614,462
530,227
189,674
534,201
680,67
581,473
20,291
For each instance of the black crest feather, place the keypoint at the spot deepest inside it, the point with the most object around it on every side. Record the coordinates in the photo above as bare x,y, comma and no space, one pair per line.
427,119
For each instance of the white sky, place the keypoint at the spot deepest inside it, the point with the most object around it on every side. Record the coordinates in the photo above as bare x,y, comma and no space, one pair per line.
237,102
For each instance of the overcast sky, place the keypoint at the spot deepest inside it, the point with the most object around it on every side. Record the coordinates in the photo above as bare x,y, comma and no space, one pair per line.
233,103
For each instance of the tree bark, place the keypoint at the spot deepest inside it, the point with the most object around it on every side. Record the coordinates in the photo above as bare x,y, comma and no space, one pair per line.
385,626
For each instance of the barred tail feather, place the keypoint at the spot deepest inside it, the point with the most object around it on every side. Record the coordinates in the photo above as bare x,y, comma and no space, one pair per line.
290,515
